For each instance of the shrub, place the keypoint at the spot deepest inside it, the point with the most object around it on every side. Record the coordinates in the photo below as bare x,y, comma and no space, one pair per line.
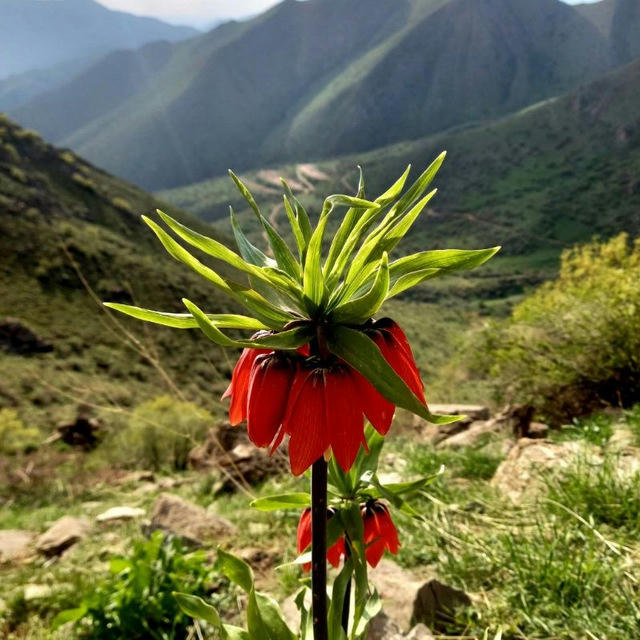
572,346
160,433
15,437
136,600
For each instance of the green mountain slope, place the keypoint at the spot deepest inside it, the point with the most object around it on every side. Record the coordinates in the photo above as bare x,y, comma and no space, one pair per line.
312,79
536,181
69,232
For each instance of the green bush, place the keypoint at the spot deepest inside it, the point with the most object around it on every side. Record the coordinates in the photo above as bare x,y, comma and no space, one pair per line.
159,434
136,600
14,436
572,346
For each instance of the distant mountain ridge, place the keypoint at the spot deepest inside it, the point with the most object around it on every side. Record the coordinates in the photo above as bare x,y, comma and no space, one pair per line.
308,80
37,34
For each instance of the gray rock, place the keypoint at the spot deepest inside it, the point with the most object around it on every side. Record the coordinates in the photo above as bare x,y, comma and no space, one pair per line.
436,605
420,632
190,522
382,627
62,534
472,411
16,545
120,514
538,430
621,440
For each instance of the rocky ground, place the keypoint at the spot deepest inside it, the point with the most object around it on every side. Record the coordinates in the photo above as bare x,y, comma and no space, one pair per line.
469,568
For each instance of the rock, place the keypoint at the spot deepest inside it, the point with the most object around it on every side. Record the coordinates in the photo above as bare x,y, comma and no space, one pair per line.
120,514
135,477
228,450
64,533
621,439
516,419
436,433
382,627
259,559
18,339
538,430
472,436
16,545
190,522
519,475
420,632
436,603
397,588
472,411
36,591
84,432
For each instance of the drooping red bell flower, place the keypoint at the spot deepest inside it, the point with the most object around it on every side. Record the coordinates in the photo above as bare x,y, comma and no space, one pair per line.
380,533
334,553
238,389
324,412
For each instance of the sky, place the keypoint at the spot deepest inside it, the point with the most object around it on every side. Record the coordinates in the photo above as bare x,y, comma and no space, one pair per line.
200,13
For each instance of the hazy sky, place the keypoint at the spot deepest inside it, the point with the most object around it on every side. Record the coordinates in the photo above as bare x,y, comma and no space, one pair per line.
200,12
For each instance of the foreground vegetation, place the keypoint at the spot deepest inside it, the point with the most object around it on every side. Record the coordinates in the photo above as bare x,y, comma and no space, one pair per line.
559,565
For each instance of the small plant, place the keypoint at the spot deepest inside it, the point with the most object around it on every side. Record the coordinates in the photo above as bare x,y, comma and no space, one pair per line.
160,433
15,437
136,600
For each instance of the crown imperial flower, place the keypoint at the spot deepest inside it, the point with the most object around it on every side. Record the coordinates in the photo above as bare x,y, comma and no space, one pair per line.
380,534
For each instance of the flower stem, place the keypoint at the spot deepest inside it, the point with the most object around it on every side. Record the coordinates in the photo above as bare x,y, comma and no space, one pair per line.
319,549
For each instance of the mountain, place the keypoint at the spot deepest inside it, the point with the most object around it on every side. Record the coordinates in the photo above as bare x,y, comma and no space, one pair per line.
307,80
37,34
619,22
70,236
536,182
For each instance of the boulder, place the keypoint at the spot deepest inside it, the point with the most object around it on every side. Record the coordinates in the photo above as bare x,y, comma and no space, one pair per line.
84,432
397,588
621,440
436,605
472,411
120,514
420,632
16,545
520,474
62,534
228,450
188,521
382,627
18,339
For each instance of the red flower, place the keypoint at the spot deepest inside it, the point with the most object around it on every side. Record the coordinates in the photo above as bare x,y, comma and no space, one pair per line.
380,533
238,390
334,553
319,406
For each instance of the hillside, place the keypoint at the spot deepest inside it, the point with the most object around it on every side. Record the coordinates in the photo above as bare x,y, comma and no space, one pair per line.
241,95
65,228
535,182
36,34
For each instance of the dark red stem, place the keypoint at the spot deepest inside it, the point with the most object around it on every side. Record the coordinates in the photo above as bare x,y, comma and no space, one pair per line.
319,549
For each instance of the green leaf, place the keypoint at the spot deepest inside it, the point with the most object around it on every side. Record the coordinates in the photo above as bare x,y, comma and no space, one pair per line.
419,186
182,255
285,259
237,570
339,199
360,309
295,228
186,320
394,190
340,586
411,280
445,260
359,351
273,618
69,615
196,607
282,501
234,633
118,565
313,284
291,339
301,213
247,250
371,609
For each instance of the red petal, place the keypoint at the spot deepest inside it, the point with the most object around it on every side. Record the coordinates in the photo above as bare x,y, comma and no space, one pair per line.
239,387
335,552
377,408
269,385
304,530
305,420
402,364
344,416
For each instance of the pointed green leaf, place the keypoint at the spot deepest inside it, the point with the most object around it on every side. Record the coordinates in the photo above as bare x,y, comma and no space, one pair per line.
196,607
301,213
237,570
295,228
186,320
291,339
283,501
360,309
313,283
359,351
340,586
411,280
272,618
69,615
445,260
234,633
247,250
394,190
